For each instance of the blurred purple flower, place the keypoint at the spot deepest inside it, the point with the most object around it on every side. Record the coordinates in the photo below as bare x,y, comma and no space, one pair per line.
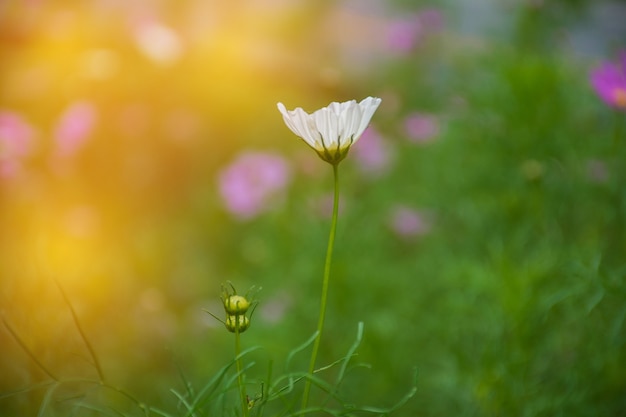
609,81
403,35
372,153
15,142
252,182
407,222
421,128
74,127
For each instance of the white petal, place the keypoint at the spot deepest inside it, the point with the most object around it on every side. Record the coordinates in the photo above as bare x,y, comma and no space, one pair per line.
339,108
368,107
333,129
350,120
299,122
335,107
305,125
326,122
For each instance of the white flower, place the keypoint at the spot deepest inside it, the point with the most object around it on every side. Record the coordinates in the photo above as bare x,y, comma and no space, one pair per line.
331,131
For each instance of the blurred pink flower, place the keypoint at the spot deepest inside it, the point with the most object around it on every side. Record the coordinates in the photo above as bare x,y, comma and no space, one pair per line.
609,81
372,153
16,138
421,128
404,34
407,222
74,127
251,184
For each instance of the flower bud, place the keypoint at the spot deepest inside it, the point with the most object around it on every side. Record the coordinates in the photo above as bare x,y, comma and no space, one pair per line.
236,305
239,320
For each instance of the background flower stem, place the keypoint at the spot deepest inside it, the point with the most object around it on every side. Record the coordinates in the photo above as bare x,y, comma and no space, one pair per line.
324,296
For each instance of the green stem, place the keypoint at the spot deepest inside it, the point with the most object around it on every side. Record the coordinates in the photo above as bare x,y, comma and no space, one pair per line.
242,387
324,297
92,352
27,350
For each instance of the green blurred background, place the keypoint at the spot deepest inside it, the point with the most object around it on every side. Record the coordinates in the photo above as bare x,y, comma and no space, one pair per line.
482,235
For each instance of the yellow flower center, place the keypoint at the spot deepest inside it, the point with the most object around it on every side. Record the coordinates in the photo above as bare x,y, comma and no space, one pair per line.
619,95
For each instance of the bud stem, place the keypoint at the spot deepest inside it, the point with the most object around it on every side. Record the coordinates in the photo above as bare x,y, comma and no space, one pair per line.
242,387
324,297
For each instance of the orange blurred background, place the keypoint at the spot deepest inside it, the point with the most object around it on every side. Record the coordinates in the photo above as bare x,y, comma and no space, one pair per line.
117,116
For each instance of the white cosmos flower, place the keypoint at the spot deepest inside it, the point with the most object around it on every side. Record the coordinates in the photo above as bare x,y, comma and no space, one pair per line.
331,131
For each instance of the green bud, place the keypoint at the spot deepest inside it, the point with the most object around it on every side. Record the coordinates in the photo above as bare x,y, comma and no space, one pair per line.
236,304
241,320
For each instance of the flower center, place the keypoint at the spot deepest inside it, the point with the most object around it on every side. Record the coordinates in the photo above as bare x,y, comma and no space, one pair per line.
619,95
